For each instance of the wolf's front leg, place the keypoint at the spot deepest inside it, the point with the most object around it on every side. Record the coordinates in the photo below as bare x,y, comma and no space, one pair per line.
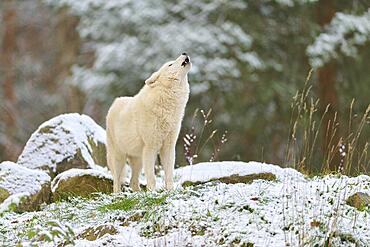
149,157
167,155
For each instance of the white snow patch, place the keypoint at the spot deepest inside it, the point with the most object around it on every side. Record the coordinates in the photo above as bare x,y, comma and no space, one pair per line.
203,172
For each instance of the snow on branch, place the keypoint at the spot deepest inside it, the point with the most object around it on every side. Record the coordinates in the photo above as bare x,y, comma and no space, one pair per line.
344,35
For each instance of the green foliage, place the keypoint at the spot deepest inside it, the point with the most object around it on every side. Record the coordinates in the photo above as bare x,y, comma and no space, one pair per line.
144,201
53,233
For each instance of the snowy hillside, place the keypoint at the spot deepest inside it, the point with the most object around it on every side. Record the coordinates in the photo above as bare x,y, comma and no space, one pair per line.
287,209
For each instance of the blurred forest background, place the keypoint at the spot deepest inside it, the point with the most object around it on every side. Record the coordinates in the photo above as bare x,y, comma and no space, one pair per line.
249,60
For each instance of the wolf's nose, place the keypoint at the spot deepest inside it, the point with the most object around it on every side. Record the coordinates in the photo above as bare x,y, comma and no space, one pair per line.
184,53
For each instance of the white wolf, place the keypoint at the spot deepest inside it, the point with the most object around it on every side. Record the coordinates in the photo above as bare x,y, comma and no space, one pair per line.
140,127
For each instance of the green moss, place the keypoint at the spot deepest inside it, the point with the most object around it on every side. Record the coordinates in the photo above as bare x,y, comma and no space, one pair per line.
246,208
13,207
46,129
125,204
99,152
360,201
93,233
84,186
3,194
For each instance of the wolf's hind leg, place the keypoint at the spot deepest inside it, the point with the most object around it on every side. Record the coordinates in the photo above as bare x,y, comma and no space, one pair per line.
117,167
136,166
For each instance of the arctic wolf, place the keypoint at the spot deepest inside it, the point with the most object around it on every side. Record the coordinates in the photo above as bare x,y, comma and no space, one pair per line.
140,127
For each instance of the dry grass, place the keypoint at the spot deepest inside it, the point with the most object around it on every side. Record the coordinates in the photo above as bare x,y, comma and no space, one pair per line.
304,152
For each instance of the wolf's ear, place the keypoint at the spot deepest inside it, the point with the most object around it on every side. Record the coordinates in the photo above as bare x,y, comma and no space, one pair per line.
152,79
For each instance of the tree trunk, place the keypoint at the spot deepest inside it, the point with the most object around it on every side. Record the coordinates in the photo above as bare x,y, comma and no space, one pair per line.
7,65
69,44
7,62
328,94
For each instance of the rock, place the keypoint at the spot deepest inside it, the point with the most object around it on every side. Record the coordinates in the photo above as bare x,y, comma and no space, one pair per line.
126,236
22,189
95,232
81,182
231,172
359,200
3,194
235,178
64,142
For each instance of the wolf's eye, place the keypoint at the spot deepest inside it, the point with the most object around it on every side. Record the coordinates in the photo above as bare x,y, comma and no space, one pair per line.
170,65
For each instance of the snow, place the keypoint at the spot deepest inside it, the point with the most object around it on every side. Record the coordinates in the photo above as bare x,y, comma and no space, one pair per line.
75,172
292,210
20,182
64,136
207,171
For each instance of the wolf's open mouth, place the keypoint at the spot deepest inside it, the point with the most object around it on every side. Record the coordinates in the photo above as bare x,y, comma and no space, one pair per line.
186,61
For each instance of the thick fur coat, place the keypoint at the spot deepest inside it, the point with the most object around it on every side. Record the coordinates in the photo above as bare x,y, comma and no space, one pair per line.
140,127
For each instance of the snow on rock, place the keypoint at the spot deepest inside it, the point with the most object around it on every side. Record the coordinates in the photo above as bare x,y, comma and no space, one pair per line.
359,200
81,182
21,188
232,172
128,236
94,232
64,142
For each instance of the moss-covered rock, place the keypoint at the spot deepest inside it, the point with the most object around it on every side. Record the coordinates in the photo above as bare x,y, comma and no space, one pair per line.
22,189
95,232
359,200
81,182
231,173
3,194
235,178
64,142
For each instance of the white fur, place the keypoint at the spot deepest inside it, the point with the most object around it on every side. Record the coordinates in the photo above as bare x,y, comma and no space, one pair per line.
140,127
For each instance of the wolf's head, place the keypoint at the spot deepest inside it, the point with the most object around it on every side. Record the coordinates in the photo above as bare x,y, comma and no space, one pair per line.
171,73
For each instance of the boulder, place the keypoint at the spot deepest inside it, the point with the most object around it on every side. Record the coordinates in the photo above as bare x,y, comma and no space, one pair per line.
125,236
64,142
81,182
231,172
94,232
22,189
359,200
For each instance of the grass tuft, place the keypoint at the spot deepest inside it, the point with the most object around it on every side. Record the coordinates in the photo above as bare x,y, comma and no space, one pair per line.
143,201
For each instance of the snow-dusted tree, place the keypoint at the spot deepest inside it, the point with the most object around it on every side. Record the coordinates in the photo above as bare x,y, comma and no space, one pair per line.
249,58
131,38
343,36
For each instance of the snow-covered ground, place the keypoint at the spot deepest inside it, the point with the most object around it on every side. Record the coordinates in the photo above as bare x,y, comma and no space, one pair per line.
291,211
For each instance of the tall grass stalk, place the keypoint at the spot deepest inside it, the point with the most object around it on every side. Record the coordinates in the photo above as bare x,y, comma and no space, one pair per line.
196,141
303,151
